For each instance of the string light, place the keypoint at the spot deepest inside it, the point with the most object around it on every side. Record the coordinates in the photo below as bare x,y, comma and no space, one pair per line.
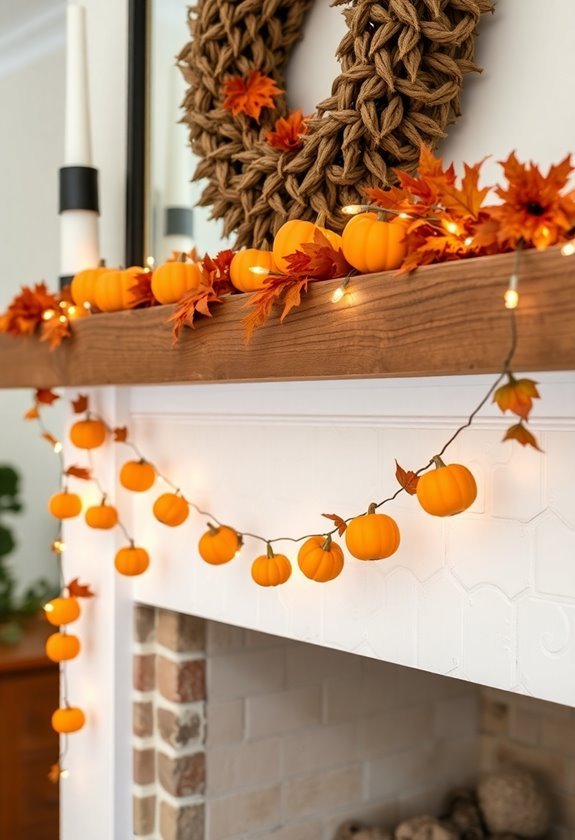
58,447
47,314
451,227
150,263
48,608
511,296
340,292
58,546
569,248
64,773
259,269
468,241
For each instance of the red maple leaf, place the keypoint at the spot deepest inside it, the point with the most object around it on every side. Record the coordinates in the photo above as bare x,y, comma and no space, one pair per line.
338,521
517,396
80,404
318,260
141,291
79,590
45,396
407,478
522,435
287,132
79,472
24,313
120,434
248,95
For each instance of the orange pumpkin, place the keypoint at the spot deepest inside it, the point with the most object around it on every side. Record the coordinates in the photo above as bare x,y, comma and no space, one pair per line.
102,516
63,610
85,283
241,266
373,536
68,719
172,280
137,476
320,559
446,490
271,569
295,233
219,544
88,434
132,560
113,290
171,509
370,243
65,505
60,647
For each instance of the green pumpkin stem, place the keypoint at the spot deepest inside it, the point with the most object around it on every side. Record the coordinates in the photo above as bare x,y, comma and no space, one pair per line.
438,462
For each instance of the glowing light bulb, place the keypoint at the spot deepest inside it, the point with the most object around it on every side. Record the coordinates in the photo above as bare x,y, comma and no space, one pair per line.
58,447
47,314
71,311
511,298
58,546
403,216
259,269
48,608
63,304
62,319
352,209
468,241
568,249
451,227
338,294
64,774
150,263
87,305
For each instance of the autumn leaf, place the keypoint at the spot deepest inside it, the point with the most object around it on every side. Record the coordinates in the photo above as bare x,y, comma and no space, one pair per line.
340,523
80,404
79,590
195,302
32,414
467,200
284,288
517,396
55,331
120,434
287,132
534,210
45,396
318,260
55,773
50,438
24,314
141,293
522,435
407,479
250,94
216,271
79,472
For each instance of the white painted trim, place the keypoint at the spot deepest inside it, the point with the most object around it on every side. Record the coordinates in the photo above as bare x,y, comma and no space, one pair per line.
25,44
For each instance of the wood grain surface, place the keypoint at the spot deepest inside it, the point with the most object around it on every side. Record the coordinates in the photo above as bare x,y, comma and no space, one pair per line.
444,319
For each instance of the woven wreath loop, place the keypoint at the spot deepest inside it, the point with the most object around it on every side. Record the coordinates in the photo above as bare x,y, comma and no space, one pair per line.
402,68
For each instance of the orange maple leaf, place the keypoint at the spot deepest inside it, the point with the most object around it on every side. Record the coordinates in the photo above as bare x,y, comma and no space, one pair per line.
195,302
141,293
24,313
318,260
284,288
287,132
340,523
55,331
407,479
522,435
535,209
120,434
466,200
80,404
79,472
79,590
32,414
45,396
216,271
517,396
50,438
250,94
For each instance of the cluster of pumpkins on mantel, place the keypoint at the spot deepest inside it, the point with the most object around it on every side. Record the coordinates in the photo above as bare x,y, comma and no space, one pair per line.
369,243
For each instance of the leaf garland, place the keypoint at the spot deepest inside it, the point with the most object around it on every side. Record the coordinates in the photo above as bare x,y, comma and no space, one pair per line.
517,396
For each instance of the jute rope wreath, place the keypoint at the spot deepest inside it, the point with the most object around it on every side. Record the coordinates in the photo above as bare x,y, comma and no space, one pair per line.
402,68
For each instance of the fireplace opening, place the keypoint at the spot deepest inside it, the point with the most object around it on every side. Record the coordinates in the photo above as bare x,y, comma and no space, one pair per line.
239,735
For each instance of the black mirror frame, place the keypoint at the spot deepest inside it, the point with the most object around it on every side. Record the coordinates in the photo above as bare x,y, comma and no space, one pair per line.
137,131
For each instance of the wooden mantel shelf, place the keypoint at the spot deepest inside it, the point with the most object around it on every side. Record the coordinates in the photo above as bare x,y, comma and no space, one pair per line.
445,319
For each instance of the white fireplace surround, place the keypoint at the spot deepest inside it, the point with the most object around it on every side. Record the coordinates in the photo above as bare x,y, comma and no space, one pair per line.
487,596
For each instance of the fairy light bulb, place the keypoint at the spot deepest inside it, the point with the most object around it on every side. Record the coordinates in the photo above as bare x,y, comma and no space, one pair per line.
47,314
511,298
64,774
340,292
352,209
87,305
451,227
58,447
468,241
58,546
259,269
62,319
568,249
48,608
150,263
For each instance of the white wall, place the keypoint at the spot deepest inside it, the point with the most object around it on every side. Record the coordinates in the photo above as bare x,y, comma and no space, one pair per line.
31,147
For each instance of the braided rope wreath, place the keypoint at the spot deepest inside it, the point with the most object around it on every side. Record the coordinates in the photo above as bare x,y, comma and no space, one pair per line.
402,68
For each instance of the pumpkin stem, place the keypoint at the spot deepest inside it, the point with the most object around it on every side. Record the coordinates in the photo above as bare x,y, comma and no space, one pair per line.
320,221
102,264
372,508
132,544
327,543
438,462
213,529
183,257
382,216
103,501
270,551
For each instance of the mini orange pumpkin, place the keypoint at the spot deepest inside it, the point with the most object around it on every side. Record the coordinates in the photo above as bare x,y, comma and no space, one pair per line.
373,536
132,560
85,283
137,476
446,490
62,610
219,544
320,559
65,505
60,647
112,292
295,233
102,516
370,243
171,280
171,509
241,266
68,719
88,434
271,569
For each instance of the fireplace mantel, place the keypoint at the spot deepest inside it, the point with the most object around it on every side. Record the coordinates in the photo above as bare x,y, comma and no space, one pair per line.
445,319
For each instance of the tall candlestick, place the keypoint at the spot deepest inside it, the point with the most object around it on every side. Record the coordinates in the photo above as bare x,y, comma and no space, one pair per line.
79,237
